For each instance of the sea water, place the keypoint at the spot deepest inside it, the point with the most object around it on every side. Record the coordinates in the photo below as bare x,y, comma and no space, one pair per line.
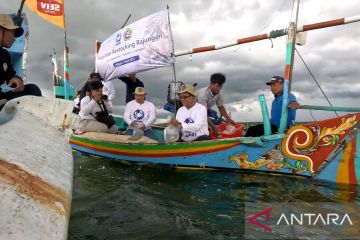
119,200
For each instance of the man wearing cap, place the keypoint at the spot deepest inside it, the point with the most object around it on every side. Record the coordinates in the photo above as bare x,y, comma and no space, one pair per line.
209,96
191,118
140,114
8,32
94,106
277,85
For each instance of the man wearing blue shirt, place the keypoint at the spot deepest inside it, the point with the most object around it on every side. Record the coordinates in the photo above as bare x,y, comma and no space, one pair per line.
277,85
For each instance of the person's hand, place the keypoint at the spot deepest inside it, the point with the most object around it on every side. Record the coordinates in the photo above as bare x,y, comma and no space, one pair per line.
141,126
174,122
294,105
97,97
216,131
19,84
133,124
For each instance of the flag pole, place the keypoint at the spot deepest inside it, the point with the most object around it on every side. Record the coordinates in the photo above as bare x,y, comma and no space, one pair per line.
66,61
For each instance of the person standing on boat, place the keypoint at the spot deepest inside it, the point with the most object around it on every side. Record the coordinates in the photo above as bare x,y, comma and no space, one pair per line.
140,114
94,112
12,85
131,82
191,118
211,95
277,85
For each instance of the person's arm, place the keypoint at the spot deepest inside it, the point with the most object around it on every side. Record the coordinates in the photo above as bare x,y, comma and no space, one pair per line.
109,90
152,116
87,105
213,126
127,114
293,104
124,79
9,74
223,112
140,83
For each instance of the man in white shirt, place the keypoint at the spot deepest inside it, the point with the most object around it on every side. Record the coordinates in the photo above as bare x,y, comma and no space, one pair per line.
209,96
191,117
140,114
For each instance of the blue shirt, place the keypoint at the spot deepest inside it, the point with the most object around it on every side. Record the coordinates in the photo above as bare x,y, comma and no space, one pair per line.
276,111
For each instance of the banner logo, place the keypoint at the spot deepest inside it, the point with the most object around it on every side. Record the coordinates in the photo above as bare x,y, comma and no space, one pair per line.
50,7
127,34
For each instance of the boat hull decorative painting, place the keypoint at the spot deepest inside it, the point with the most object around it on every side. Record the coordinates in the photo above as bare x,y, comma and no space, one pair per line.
306,150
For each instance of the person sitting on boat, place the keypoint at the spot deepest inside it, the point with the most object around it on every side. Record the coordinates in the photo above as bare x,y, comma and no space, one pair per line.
211,95
108,92
140,114
12,86
131,82
191,118
277,85
94,112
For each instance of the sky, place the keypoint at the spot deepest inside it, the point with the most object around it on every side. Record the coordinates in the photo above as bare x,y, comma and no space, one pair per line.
332,54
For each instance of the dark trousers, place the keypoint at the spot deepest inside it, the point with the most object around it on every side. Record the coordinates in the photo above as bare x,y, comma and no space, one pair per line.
258,130
30,89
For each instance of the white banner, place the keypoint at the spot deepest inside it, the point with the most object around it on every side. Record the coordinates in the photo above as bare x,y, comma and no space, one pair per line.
142,45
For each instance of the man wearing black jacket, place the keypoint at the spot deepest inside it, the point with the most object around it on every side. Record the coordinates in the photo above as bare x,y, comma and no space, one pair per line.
131,82
15,85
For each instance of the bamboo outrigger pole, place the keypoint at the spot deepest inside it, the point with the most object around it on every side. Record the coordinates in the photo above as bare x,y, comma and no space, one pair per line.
270,35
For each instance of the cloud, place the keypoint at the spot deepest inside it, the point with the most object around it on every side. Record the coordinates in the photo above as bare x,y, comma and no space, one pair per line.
332,54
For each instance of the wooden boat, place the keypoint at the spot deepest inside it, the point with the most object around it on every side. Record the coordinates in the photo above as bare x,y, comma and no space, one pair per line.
36,169
36,163
325,150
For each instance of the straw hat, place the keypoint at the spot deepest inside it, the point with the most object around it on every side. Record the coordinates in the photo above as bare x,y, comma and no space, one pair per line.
140,91
188,88
7,22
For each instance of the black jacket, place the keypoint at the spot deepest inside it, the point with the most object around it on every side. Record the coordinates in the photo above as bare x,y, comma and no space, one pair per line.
7,71
130,87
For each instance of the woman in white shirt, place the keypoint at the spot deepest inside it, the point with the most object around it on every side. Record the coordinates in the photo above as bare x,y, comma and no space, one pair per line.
94,112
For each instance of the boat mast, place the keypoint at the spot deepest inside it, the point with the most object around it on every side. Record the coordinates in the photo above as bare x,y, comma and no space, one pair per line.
289,63
173,65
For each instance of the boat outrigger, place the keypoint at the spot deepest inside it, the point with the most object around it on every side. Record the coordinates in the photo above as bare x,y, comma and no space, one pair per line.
325,150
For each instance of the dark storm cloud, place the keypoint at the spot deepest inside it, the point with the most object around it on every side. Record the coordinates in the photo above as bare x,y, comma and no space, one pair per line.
332,54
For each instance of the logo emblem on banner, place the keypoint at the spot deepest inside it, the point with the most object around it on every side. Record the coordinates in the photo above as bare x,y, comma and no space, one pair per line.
118,39
127,34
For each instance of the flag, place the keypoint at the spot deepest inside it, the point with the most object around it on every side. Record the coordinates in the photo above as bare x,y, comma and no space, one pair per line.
50,10
140,46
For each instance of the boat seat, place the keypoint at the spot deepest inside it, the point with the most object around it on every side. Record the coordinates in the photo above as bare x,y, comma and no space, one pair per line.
106,137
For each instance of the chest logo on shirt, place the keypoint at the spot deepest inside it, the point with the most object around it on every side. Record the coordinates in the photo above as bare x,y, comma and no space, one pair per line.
5,66
188,120
139,114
